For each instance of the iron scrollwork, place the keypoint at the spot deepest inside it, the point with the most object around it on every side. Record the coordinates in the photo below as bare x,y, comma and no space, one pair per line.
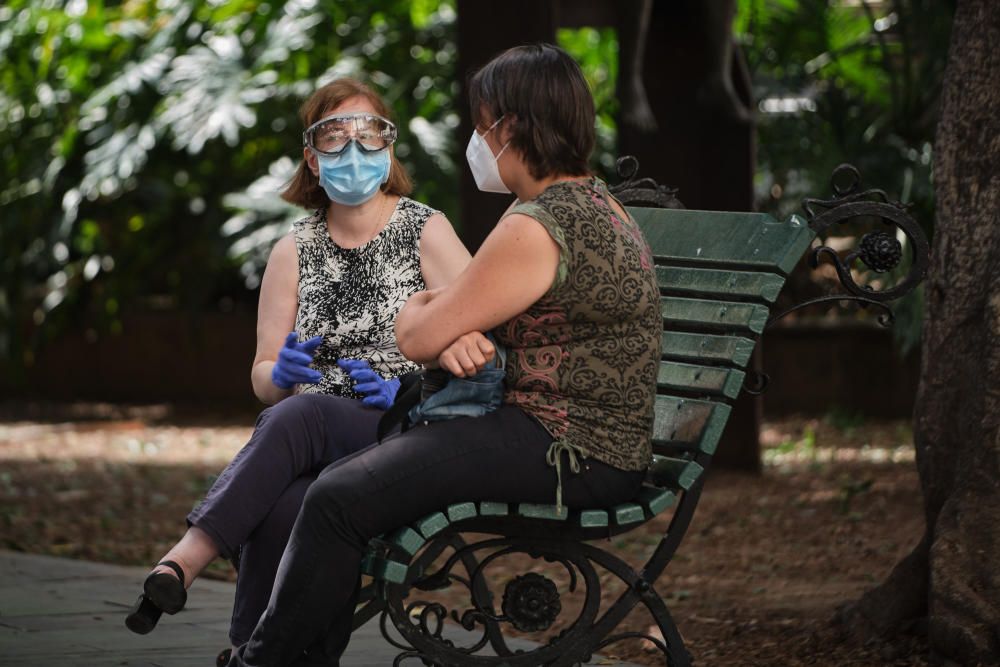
531,603
880,251
634,191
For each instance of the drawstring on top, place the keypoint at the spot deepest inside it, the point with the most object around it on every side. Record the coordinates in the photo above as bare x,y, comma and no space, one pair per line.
554,458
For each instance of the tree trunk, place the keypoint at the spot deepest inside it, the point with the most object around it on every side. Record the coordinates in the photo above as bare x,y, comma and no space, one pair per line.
952,579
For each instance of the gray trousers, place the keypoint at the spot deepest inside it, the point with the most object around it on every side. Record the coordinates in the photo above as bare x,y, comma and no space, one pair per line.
250,510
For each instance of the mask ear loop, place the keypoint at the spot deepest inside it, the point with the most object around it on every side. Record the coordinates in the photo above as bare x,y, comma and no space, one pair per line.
497,156
495,123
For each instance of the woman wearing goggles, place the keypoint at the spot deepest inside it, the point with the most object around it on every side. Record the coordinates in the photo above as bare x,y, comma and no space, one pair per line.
336,283
352,154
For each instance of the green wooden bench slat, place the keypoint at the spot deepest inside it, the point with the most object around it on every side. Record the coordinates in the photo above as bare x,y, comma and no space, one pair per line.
627,513
729,314
754,239
537,511
707,347
690,422
431,524
492,509
460,511
674,473
655,500
407,539
722,283
593,519
382,568
708,379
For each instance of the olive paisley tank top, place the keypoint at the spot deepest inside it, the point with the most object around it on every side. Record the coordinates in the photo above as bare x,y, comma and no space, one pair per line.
583,358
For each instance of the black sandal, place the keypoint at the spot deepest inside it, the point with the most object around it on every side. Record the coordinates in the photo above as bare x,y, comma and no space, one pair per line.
161,593
143,616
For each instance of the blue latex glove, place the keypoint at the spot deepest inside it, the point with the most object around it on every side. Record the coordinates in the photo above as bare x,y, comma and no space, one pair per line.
292,366
378,393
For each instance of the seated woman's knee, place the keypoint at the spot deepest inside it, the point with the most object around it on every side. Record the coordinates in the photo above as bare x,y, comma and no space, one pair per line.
296,408
328,494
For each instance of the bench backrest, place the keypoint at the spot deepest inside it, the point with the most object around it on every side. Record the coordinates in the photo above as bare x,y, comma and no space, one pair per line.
719,273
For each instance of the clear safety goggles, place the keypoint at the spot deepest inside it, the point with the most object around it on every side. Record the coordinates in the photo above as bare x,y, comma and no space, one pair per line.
331,135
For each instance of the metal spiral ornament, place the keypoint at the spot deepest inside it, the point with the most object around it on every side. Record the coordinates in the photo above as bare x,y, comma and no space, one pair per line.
634,191
881,251
531,603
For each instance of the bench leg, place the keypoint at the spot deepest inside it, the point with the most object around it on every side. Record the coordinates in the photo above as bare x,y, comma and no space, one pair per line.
370,608
669,643
589,633
672,645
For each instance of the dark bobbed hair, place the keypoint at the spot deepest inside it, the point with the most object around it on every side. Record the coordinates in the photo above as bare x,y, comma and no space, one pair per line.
304,188
540,92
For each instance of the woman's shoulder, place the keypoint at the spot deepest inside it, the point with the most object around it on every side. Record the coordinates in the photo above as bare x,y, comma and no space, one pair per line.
539,209
415,210
560,201
307,229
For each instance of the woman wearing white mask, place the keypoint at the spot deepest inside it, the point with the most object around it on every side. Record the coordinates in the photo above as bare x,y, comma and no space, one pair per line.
336,283
565,281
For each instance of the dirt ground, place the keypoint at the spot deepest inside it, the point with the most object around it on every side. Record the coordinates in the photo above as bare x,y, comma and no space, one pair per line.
765,563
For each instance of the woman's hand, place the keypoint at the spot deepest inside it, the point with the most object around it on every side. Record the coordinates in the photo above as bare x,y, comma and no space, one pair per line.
467,355
294,362
379,393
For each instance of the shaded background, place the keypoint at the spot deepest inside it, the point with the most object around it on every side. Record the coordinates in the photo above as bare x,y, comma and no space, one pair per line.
143,145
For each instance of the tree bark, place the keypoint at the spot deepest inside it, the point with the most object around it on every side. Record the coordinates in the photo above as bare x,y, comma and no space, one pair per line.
953,577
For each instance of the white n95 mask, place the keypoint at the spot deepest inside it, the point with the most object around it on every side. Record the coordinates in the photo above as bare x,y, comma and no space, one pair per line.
483,164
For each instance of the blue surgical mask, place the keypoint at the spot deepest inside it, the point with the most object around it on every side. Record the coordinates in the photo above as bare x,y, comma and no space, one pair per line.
353,176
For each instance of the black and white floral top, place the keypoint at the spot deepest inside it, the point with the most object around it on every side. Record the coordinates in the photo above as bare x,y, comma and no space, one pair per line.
351,296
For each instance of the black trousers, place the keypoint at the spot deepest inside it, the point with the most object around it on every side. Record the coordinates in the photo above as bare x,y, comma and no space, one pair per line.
500,457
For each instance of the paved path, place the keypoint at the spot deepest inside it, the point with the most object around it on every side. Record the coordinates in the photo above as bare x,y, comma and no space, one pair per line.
56,611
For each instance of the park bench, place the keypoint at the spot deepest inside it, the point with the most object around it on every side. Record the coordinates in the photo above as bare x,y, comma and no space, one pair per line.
719,274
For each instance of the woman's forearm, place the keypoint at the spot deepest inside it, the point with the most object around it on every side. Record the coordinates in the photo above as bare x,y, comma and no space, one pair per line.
263,387
410,321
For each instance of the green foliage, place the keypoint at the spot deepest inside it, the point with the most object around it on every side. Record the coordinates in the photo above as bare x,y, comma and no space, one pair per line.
804,447
132,133
845,420
847,82
143,143
850,488
596,50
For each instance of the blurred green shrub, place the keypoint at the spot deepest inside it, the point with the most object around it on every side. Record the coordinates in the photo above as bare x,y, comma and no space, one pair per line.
856,82
143,142
133,133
